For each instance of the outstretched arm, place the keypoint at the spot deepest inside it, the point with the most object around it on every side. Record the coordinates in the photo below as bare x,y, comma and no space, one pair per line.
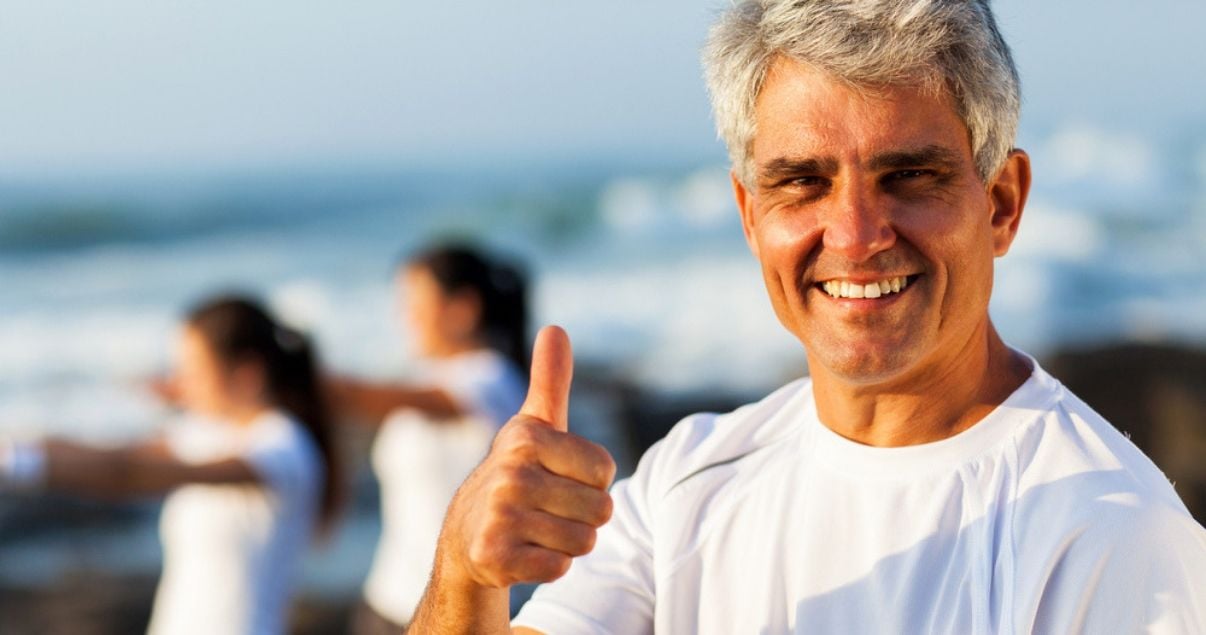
125,472
370,402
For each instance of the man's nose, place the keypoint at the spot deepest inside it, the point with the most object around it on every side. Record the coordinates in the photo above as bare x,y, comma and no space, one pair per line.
857,226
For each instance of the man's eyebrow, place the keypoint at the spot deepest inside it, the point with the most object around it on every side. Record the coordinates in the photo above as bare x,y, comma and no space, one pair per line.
931,155
790,166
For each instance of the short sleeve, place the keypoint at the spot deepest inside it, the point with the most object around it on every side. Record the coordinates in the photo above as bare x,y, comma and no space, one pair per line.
1140,571
486,386
611,589
282,455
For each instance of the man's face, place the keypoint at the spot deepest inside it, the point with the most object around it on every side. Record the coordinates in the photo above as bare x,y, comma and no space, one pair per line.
873,195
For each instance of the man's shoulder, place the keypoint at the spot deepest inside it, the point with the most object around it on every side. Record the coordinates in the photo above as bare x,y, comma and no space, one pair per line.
1073,443
1077,475
1095,525
706,439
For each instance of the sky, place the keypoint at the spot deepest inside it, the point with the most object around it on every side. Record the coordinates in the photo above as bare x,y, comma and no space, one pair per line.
140,86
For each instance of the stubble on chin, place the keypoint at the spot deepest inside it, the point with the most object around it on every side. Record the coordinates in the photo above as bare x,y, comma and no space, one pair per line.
859,348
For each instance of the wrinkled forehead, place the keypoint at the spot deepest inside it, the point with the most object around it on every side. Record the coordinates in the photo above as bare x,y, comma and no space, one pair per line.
801,110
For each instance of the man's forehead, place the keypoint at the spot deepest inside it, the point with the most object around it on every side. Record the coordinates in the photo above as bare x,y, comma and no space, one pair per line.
802,111
821,84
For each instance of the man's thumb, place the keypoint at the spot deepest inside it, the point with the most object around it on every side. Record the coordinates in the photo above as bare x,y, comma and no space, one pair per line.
552,370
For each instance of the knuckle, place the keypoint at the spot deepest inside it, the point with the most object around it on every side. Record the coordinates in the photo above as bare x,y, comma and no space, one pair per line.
601,511
482,554
501,519
513,482
584,541
569,536
603,466
608,468
520,440
548,566
526,433
588,544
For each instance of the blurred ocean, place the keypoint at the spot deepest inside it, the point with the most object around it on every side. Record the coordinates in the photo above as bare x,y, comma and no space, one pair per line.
641,269
645,266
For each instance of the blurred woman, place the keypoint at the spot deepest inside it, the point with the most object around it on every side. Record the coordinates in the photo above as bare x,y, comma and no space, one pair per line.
249,475
467,316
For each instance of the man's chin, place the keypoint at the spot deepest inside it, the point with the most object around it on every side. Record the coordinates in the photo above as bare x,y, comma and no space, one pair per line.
862,366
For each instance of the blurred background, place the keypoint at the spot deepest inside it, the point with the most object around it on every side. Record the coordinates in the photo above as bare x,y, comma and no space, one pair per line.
153,153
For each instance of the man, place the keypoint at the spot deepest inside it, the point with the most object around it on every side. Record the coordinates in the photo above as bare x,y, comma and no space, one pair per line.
926,478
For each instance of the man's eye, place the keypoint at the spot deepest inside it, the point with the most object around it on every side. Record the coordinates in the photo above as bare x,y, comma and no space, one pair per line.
805,181
905,175
799,187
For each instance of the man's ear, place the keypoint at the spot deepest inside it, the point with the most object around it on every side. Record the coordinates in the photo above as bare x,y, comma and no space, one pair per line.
745,205
1008,194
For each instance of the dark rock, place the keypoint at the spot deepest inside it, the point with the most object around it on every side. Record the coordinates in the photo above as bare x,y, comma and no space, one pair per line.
83,603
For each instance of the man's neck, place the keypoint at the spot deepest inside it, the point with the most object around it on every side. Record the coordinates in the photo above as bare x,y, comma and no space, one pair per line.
939,399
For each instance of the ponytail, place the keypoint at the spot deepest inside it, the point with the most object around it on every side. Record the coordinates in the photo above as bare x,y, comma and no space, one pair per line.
237,329
501,286
296,388
505,314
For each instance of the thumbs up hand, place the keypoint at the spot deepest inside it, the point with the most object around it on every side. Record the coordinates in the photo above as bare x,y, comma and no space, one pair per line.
538,498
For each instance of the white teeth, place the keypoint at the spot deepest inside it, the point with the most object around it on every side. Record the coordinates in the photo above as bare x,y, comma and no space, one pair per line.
845,289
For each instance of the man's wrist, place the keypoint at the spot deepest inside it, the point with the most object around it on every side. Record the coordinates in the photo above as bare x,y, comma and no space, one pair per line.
455,603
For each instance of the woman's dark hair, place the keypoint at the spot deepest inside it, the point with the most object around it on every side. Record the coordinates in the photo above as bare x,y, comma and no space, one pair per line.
237,329
501,287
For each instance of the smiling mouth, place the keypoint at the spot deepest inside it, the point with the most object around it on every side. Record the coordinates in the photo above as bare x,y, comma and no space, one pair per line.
838,288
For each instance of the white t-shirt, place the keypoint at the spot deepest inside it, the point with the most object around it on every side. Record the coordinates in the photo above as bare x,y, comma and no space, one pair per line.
1041,518
231,551
421,462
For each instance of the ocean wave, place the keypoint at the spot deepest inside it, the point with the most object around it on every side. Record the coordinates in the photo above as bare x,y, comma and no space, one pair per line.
650,273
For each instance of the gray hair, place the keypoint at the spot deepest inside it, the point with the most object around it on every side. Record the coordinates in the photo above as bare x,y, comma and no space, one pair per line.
951,45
